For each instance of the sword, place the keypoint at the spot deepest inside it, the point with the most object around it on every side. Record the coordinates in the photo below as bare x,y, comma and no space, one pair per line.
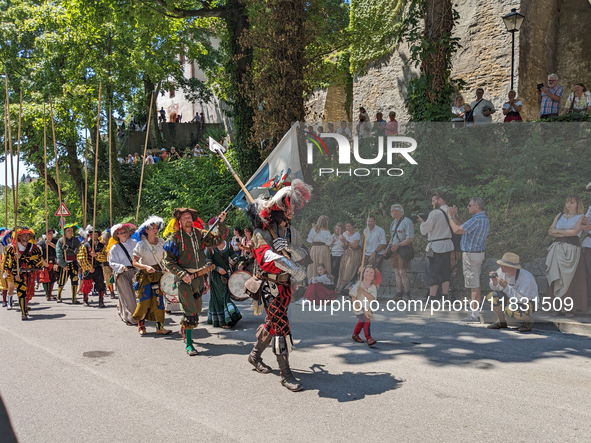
217,220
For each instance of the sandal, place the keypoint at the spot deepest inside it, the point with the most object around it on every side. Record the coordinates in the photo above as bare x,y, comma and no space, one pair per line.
357,339
526,326
371,341
498,325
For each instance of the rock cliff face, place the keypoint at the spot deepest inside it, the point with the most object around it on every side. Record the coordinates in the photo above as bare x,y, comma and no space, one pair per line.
553,39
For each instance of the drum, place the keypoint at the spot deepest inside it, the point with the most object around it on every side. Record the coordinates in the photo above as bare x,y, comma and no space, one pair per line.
168,285
236,284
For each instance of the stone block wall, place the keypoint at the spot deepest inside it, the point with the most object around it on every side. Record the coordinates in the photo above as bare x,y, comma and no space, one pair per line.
419,286
553,39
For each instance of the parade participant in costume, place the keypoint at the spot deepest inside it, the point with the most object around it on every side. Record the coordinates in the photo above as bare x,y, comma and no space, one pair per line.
184,256
148,255
120,250
49,275
277,272
222,310
4,236
107,271
19,260
66,251
91,261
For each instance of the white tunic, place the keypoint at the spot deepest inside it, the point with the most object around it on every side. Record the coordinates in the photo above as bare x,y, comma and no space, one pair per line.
149,254
117,258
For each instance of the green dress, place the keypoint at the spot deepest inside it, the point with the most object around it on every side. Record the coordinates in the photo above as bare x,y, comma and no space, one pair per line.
222,310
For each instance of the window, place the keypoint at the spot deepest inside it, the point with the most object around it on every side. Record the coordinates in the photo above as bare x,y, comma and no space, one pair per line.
171,93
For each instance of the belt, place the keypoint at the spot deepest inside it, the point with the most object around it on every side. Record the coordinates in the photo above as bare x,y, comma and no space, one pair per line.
278,278
319,243
473,252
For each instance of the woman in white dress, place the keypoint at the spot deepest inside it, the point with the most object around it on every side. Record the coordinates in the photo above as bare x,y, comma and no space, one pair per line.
321,240
120,249
352,257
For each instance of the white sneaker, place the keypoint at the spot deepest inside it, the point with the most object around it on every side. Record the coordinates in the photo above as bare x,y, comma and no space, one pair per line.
471,319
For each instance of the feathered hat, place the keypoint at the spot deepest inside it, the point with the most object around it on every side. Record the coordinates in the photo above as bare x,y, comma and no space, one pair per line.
141,231
5,236
68,226
174,223
294,196
114,237
24,230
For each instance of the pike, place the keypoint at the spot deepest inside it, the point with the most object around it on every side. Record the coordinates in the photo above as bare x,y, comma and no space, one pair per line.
218,149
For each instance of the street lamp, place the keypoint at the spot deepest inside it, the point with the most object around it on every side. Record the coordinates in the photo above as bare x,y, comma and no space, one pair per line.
513,22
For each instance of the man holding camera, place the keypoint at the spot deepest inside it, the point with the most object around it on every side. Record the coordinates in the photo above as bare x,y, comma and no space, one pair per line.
439,247
549,97
515,292
473,245
481,109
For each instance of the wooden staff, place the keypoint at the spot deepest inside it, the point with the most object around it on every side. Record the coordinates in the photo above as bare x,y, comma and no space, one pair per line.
57,169
85,203
12,176
6,111
364,245
110,177
139,197
45,159
18,154
96,155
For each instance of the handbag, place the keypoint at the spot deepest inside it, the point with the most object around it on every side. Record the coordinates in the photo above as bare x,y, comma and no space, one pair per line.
389,252
406,253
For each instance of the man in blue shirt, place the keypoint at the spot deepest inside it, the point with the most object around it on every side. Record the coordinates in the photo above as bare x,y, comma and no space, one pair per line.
473,245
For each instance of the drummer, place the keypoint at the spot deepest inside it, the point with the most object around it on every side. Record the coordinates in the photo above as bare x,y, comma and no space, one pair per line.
147,257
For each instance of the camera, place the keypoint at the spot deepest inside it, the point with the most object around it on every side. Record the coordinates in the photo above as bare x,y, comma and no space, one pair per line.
494,275
423,215
540,86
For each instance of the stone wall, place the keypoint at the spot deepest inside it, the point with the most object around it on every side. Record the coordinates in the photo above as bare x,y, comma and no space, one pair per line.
553,39
419,286
179,135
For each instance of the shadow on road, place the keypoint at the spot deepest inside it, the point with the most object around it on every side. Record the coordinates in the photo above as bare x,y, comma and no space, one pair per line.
348,386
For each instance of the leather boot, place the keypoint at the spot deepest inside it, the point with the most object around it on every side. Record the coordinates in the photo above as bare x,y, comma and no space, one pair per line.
101,299
254,358
287,378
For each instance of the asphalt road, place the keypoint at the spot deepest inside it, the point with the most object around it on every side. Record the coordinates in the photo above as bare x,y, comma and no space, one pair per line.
78,374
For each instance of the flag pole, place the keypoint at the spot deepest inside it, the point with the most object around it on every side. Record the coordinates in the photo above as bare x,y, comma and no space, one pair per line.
218,149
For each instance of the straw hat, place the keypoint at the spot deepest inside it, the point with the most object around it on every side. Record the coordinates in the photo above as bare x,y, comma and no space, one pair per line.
511,260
